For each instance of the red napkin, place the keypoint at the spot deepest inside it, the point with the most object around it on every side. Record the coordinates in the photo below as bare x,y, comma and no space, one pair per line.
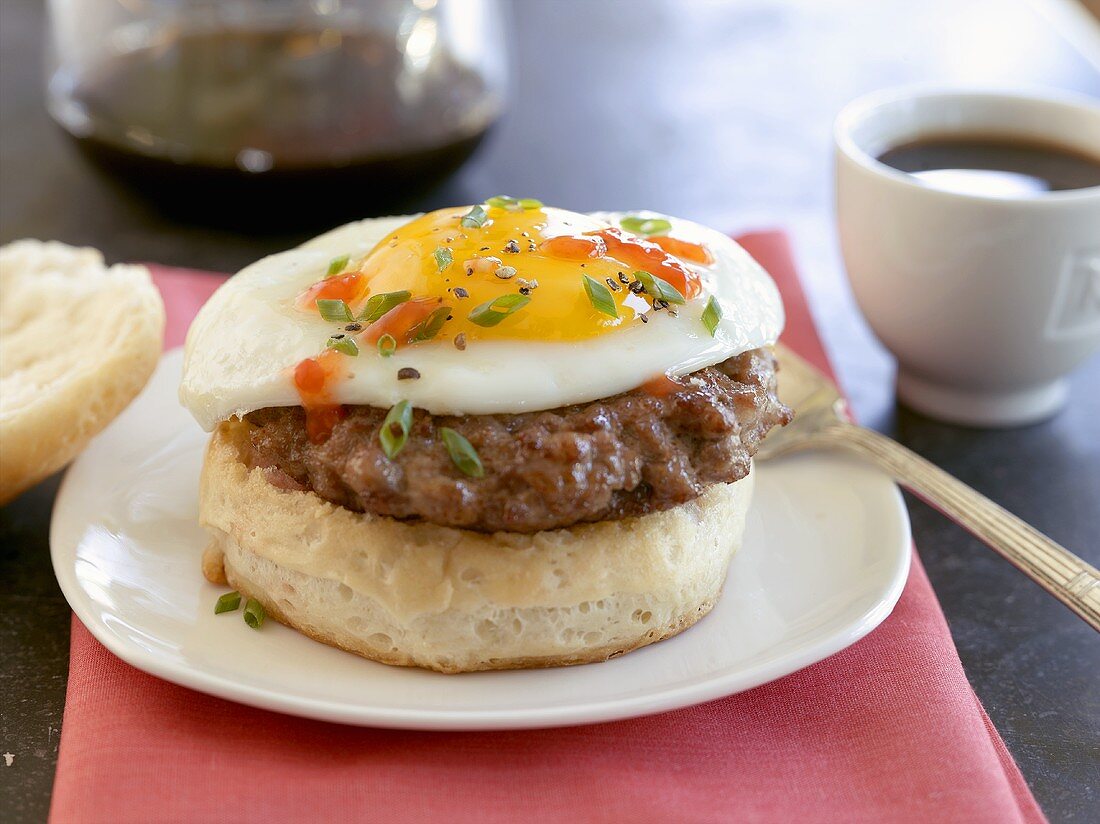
887,730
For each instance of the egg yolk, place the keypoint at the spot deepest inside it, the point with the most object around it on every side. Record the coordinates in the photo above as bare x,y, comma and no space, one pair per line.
519,275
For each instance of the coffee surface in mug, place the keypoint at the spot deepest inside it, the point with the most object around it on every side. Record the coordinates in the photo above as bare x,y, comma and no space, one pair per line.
992,166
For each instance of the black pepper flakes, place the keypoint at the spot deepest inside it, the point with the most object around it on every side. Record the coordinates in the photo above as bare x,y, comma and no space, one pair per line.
353,327
511,247
613,286
636,287
484,249
460,341
461,293
407,373
660,303
643,318
623,279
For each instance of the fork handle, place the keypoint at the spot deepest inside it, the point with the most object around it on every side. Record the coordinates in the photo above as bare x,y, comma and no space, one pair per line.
1053,567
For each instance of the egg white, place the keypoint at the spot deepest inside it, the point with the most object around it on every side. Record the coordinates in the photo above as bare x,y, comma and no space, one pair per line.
243,345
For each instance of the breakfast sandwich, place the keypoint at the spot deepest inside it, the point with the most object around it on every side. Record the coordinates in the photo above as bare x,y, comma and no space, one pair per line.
486,437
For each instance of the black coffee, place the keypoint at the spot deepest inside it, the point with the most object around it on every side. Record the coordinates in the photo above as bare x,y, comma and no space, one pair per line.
998,167
288,126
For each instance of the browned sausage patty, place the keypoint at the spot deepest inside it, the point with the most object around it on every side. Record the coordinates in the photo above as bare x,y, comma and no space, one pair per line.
625,455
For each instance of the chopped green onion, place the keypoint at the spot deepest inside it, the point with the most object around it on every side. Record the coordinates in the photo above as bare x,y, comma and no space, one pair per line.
337,265
227,603
475,218
659,289
465,457
443,257
343,343
600,296
494,311
512,204
430,326
377,305
646,225
387,345
334,311
254,613
400,418
712,315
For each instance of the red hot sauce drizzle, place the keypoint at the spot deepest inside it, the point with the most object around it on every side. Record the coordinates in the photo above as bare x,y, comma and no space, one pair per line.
654,256
643,254
400,321
348,288
571,247
684,249
313,378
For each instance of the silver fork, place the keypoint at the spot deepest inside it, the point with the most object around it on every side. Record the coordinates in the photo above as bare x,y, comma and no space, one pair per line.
821,421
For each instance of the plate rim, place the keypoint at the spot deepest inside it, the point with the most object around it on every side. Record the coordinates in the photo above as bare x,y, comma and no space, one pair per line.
677,697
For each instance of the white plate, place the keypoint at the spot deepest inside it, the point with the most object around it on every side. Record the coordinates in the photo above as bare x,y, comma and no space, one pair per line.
825,557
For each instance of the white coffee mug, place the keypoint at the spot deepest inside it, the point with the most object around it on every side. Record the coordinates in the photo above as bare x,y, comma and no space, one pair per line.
987,302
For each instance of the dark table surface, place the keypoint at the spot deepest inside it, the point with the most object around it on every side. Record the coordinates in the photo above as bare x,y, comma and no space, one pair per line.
719,112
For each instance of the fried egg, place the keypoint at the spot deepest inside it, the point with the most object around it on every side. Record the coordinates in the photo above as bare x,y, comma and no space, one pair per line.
503,307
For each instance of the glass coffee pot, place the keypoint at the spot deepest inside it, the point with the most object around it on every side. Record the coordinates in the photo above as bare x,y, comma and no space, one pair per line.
283,111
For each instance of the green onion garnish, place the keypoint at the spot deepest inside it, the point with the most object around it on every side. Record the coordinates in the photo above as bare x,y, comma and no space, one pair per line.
430,326
600,296
254,613
465,457
512,204
387,345
338,264
475,218
399,418
334,311
227,603
712,315
343,343
377,305
494,311
646,225
659,289
443,257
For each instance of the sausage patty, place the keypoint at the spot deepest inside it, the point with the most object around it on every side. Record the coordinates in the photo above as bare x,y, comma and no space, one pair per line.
626,455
